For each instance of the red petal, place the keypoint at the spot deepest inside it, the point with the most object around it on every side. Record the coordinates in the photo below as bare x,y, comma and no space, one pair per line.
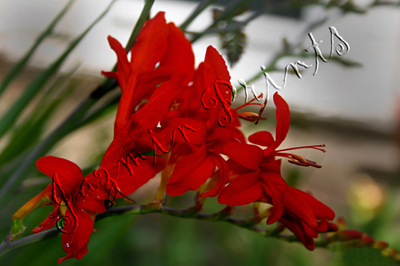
158,105
69,174
151,44
148,50
249,156
282,117
185,170
75,243
90,203
128,182
78,254
242,190
186,130
262,138
275,193
295,203
215,67
223,173
179,55
297,228
50,221
187,178
320,210
237,169
123,68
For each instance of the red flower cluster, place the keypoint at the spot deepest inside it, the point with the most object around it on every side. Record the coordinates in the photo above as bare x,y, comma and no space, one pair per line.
176,120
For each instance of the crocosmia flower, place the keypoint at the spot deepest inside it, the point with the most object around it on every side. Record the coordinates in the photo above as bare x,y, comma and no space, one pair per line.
256,176
177,121
73,214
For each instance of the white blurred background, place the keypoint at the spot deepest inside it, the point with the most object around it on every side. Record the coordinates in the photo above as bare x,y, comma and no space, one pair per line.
368,94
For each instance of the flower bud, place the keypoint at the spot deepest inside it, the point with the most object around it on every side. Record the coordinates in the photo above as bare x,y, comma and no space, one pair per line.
380,245
366,240
344,235
332,227
389,252
341,222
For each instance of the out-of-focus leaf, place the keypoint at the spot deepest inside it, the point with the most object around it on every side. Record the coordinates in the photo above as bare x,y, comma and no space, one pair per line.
365,256
102,109
234,8
20,65
232,41
31,129
13,113
200,7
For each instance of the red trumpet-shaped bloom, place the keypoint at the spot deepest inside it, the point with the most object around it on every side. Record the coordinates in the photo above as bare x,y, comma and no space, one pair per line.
161,67
255,176
265,138
70,207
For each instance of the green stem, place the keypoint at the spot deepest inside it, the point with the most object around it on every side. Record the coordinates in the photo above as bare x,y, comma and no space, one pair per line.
6,246
221,216
200,8
227,13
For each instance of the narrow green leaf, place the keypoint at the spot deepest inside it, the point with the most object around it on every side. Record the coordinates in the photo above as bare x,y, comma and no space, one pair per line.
200,8
69,124
109,84
20,65
231,10
234,43
31,129
11,116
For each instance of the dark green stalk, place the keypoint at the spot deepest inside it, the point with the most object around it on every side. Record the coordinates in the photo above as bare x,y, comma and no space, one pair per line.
222,216
109,84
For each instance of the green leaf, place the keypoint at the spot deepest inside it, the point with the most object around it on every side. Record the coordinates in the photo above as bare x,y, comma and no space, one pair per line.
67,126
19,66
31,129
232,41
13,113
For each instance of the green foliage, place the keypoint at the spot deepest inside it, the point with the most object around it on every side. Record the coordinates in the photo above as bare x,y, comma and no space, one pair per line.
232,41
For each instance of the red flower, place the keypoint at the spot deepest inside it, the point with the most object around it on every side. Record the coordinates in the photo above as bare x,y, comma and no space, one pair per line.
204,107
144,102
265,138
70,207
158,43
255,176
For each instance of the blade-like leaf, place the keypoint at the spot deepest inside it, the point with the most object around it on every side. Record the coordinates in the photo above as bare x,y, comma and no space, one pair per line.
13,113
20,65
31,129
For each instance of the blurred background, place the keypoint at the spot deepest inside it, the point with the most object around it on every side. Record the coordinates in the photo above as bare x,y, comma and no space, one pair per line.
351,104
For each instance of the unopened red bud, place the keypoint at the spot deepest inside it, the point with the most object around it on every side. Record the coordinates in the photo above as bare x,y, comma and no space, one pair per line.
380,245
344,235
341,222
332,227
389,252
366,240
